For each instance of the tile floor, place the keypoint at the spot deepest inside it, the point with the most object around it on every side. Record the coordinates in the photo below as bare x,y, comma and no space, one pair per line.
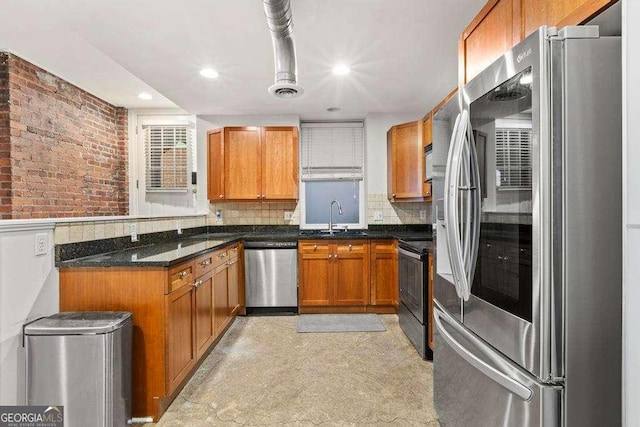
264,373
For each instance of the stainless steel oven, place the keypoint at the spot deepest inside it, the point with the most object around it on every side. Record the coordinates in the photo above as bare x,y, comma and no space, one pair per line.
413,309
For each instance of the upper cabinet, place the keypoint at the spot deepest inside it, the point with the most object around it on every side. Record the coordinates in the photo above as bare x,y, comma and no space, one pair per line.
559,13
427,139
501,24
405,173
253,163
494,30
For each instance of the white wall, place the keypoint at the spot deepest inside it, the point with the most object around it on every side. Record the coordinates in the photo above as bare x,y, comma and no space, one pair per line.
631,213
217,121
376,127
28,290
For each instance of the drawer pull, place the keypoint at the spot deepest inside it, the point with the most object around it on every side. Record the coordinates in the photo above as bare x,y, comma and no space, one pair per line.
231,262
350,247
183,274
315,247
197,284
222,255
205,263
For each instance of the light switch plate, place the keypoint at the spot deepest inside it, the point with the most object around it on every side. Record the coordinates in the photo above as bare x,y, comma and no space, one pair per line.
377,215
134,232
42,244
288,215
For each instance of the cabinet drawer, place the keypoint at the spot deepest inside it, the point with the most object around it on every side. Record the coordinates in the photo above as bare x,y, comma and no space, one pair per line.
233,252
204,264
313,246
181,275
220,257
383,246
352,246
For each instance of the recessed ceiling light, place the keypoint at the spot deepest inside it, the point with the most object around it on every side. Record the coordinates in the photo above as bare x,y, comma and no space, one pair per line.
341,70
334,109
145,95
209,73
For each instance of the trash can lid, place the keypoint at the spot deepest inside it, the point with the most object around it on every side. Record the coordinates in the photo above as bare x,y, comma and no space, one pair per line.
79,323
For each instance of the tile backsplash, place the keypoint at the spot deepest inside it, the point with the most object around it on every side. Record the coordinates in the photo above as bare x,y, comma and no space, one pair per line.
273,213
72,232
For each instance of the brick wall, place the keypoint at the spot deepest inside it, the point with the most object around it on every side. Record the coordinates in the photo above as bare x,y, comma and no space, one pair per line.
5,148
68,148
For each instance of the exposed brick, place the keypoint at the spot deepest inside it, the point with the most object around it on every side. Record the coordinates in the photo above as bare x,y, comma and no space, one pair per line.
63,151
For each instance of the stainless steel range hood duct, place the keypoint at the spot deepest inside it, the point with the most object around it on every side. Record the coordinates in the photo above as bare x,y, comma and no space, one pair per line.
280,21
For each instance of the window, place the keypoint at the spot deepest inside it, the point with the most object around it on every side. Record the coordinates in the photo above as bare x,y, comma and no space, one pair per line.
513,158
167,157
332,168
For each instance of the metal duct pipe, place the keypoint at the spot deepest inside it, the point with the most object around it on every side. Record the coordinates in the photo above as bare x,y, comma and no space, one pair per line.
280,22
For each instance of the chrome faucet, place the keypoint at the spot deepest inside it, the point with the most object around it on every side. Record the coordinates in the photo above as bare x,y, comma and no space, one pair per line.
331,213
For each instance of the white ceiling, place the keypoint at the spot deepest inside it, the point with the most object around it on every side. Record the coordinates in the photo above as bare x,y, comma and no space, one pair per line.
403,53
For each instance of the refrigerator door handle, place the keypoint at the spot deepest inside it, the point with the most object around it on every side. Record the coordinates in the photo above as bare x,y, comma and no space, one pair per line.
475,200
505,381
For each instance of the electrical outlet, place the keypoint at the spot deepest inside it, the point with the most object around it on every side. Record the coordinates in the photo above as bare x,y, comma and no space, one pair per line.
377,215
179,226
288,215
42,244
134,232
423,214
218,215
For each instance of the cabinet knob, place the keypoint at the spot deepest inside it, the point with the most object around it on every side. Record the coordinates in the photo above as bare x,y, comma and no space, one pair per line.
350,247
183,274
258,196
222,196
205,263
315,247
263,196
393,195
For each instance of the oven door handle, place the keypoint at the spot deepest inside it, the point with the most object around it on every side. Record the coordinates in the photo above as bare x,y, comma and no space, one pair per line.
409,254
513,386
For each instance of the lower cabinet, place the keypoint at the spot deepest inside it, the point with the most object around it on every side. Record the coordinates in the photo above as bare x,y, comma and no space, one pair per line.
178,315
347,276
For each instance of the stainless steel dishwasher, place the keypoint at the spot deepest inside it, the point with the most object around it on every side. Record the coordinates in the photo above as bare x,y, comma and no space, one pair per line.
271,277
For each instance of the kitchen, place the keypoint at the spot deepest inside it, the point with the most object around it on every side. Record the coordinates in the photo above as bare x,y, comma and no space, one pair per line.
41,294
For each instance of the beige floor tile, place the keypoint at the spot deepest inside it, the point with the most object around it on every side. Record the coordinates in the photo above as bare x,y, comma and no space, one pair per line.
264,373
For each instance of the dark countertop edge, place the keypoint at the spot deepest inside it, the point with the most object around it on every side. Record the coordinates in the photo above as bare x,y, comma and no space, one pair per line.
235,234
86,262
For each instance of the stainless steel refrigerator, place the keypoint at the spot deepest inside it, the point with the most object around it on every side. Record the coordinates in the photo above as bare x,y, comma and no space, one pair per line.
528,284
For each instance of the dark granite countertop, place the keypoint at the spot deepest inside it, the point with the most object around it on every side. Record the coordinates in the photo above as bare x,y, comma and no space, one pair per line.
165,251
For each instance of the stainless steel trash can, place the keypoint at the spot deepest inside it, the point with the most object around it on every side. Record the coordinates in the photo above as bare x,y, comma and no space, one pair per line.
81,361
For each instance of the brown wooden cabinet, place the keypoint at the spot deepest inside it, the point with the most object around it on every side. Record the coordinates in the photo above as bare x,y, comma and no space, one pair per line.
405,174
427,139
333,275
215,165
181,333
253,163
178,313
559,13
501,24
384,273
494,30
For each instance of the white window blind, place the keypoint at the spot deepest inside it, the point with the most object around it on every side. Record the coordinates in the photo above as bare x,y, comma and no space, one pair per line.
167,157
513,158
332,150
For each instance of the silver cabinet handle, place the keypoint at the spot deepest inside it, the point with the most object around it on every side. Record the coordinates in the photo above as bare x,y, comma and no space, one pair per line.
197,284
409,254
520,390
183,274
205,263
222,196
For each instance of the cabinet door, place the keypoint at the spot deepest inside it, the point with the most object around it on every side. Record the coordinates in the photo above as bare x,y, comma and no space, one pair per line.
280,163
181,352
242,163
559,13
493,31
204,313
351,273
314,274
427,139
233,286
215,166
407,174
384,273
220,298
